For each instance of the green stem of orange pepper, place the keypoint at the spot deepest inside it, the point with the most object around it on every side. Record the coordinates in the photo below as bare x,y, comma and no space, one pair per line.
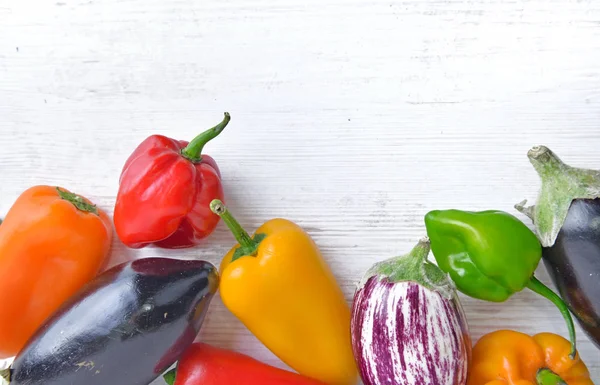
538,287
77,201
548,377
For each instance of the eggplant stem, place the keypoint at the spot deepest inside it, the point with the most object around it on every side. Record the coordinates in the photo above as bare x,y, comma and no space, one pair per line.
413,267
561,184
528,211
4,376
538,287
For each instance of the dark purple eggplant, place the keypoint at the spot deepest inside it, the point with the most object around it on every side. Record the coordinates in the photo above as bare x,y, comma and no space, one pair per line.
567,221
573,262
126,327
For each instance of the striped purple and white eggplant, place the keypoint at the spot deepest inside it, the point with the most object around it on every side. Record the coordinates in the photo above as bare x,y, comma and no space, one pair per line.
408,326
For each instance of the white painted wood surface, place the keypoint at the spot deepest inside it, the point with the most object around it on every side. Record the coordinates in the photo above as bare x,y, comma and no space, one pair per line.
353,118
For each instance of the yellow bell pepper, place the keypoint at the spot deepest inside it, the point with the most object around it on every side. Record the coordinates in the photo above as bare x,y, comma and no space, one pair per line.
278,285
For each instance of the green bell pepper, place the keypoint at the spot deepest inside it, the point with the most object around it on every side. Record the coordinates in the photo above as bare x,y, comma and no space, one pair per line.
490,255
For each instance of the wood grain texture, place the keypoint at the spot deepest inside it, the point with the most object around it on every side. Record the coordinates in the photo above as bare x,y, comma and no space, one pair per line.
352,118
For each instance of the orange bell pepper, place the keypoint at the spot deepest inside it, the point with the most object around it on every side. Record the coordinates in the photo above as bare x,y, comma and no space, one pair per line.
507,357
278,284
52,242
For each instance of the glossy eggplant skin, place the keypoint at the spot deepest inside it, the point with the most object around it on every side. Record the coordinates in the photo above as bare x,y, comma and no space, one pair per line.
125,327
573,262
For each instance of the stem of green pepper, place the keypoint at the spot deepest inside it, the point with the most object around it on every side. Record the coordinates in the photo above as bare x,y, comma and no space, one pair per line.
535,285
193,151
546,376
248,246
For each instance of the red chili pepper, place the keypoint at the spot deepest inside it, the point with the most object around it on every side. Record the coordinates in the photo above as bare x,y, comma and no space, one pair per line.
165,190
203,364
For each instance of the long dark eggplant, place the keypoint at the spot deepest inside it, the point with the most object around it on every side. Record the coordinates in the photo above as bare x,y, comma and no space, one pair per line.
126,327
567,221
573,262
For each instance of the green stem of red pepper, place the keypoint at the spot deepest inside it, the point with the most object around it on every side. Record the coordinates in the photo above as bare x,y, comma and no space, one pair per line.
248,245
538,287
193,151
548,377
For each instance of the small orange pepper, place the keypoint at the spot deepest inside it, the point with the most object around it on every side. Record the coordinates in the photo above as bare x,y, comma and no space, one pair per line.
52,242
507,357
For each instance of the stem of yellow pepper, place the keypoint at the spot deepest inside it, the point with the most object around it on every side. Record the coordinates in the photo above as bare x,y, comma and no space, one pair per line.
247,244
548,377
538,287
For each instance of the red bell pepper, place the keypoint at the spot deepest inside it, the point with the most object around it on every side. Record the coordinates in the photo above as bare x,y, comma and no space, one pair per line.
165,189
203,364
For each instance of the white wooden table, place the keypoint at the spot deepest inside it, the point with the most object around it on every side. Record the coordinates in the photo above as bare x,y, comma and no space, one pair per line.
352,118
